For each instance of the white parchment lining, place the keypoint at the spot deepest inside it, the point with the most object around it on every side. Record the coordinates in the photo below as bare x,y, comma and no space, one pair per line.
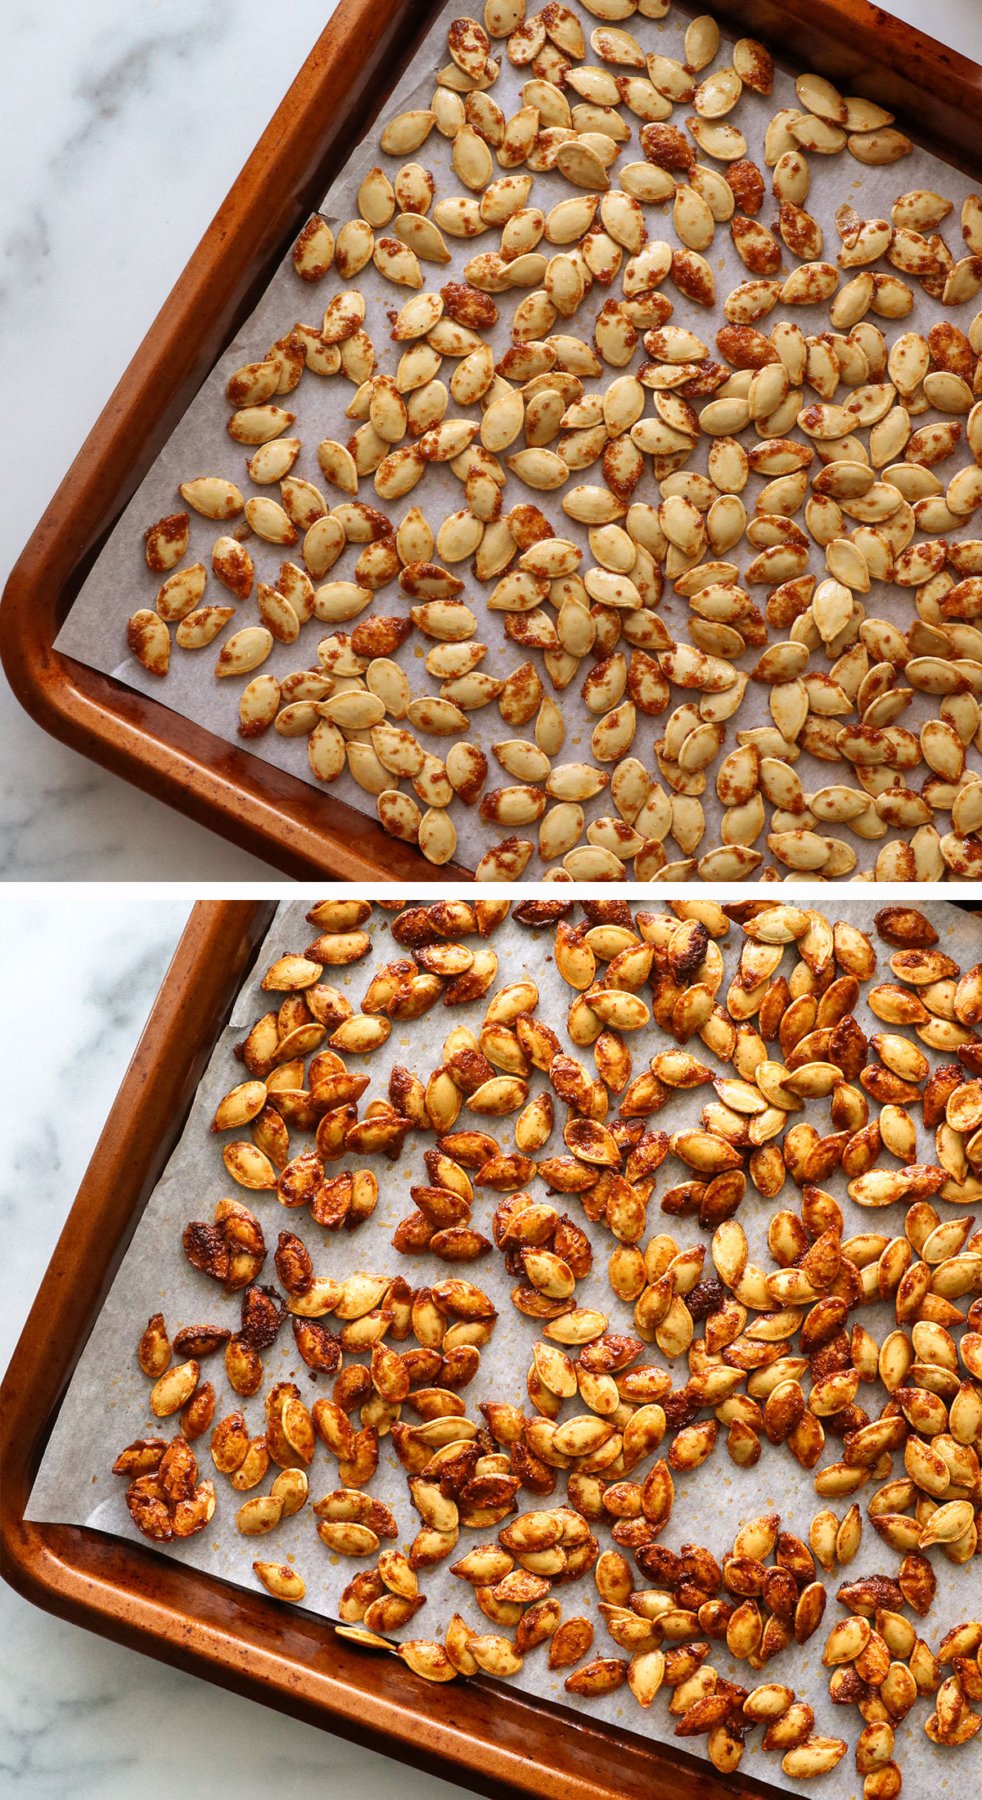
106,1404
119,583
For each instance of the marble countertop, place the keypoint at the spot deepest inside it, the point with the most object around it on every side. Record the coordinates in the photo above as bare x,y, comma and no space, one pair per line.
125,124
81,1718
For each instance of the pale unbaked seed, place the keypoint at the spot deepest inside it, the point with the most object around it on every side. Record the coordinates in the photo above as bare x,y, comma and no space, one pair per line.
585,336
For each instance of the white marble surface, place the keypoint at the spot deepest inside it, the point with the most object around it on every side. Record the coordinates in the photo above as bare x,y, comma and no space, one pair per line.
125,123
81,1718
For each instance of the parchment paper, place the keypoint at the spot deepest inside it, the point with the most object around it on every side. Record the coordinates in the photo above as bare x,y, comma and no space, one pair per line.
95,631
106,1405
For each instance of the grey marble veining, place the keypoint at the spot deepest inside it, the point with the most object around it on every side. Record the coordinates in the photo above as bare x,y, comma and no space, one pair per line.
78,975
125,123
64,819
84,1719
81,1718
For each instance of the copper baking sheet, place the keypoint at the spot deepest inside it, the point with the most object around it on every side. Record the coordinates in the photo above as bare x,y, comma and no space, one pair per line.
342,86
494,1739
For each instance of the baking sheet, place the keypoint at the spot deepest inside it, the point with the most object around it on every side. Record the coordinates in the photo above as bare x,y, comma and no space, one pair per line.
95,630
106,1404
